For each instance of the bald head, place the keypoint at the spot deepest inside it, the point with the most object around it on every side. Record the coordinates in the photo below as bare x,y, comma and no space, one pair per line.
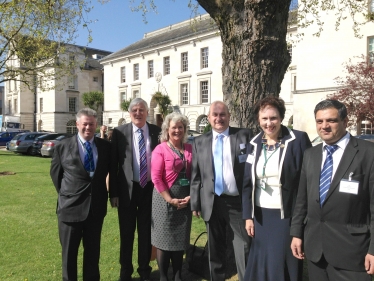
219,116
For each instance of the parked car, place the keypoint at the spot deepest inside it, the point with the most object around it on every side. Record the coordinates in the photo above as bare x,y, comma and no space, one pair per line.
191,136
7,145
366,137
6,137
38,142
22,143
48,146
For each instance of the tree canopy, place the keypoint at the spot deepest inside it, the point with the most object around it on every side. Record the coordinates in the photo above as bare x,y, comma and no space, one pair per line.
33,38
93,100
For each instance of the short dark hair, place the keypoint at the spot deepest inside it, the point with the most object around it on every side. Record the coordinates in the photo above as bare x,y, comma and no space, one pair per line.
275,102
325,104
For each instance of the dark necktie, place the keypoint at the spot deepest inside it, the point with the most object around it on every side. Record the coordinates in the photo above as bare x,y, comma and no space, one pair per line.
218,165
89,164
326,173
143,176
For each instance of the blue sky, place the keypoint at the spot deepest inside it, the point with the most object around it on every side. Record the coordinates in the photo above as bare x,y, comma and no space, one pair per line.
116,26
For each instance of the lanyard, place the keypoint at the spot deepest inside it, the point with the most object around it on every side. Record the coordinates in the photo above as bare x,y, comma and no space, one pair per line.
266,159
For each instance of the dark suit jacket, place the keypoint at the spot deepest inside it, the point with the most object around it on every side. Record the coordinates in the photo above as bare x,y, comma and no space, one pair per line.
291,152
342,230
77,192
121,161
202,177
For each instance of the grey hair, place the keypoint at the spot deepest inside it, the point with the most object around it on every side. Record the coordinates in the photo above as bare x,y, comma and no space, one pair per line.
86,112
175,117
218,102
138,101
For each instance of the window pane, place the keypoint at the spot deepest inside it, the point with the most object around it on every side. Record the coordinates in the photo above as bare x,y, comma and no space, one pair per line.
204,91
166,65
371,49
136,71
184,94
136,94
150,69
123,74
72,104
184,62
204,57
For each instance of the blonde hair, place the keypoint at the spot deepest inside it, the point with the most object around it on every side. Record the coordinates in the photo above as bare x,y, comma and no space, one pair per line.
175,117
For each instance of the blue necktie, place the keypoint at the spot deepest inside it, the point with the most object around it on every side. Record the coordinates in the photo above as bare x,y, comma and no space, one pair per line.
326,174
143,176
89,164
218,165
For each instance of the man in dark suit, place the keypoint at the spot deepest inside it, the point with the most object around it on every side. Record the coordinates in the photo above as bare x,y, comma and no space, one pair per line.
334,211
131,186
78,170
216,185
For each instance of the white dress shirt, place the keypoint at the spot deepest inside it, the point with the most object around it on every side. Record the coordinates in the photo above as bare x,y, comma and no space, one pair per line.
337,155
229,183
135,152
82,149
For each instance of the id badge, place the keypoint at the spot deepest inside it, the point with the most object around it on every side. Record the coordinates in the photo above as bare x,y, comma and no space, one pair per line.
347,186
250,158
184,182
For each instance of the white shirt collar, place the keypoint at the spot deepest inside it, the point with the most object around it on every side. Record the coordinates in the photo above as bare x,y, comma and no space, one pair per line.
83,140
225,133
135,128
342,143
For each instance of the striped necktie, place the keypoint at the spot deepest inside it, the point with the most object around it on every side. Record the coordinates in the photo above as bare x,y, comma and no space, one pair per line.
326,173
89,164
143,176
218,165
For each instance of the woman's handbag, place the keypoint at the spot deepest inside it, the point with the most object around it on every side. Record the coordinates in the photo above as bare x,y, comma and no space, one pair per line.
198,259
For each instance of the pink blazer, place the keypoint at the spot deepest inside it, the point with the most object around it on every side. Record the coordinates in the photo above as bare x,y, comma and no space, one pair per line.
166,164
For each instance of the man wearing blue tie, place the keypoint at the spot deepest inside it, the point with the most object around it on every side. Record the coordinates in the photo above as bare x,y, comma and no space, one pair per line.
333,219
216,187
79,168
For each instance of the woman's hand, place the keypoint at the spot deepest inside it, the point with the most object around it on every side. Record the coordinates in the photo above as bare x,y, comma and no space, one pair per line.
184,202
250,227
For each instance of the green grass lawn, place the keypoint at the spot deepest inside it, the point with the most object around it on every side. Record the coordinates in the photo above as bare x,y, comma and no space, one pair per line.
29,244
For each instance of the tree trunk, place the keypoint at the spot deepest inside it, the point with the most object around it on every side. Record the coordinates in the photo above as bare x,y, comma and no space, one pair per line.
254,55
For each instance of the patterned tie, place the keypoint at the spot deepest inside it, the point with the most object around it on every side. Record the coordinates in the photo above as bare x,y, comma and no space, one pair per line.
218,165
143,177
326,173
89,164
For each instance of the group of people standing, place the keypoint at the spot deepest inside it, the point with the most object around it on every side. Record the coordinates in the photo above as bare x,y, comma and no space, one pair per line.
271,195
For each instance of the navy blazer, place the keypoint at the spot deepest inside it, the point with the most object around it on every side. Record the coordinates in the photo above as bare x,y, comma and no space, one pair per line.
291,152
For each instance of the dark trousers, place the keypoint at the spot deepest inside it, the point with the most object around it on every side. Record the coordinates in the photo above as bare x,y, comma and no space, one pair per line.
323,271
226,219
136,215
71,234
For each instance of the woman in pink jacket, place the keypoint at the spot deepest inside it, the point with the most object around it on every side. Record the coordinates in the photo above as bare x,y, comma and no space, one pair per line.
171,214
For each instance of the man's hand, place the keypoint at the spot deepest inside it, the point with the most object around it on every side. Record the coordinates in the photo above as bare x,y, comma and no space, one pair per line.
369,264
196,214
250,227
297,248
114,202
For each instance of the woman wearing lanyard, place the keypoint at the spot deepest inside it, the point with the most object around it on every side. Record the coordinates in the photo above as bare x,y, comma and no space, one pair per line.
171,215
271,179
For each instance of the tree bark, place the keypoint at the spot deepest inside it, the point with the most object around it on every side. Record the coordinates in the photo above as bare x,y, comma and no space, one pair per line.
254,55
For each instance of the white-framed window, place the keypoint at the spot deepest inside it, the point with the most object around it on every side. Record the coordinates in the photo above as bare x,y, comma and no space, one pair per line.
123,95
41,105
72,77
96,79
166,65
123,74
136,71
150,69
71,127
136,93
72,104
202,124
371,49
371,6
184,62
15,101
204,91
184,93
204,57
